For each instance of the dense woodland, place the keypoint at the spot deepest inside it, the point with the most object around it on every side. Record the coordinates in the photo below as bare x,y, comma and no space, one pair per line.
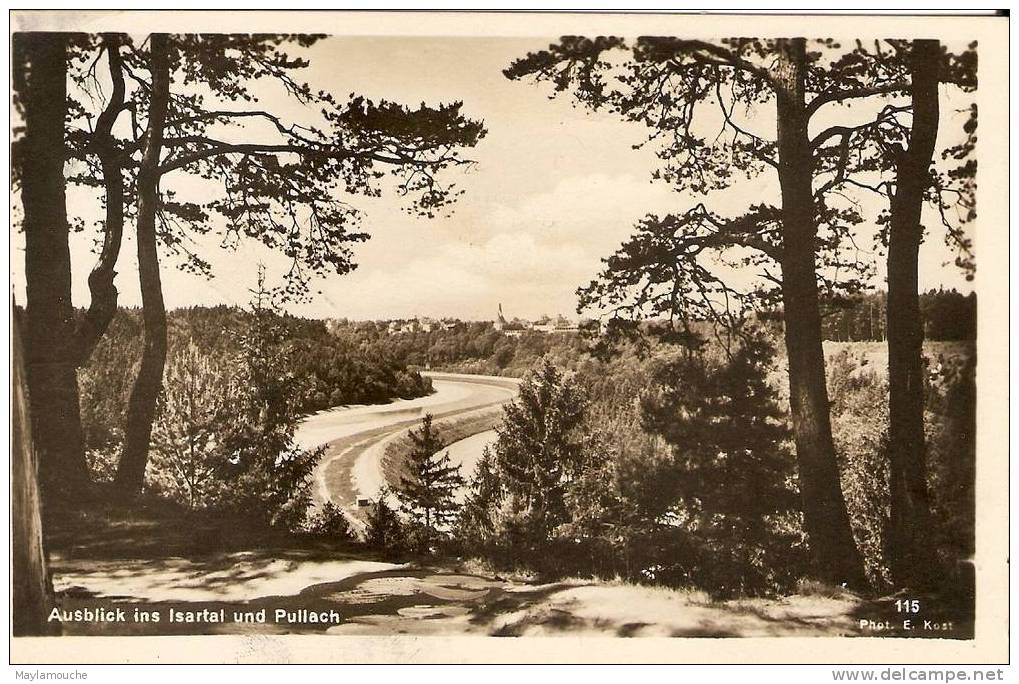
946,315
328,370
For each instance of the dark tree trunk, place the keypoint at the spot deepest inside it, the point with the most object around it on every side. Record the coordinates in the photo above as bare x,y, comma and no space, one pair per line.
103,304
142,404
912,563
31,591
40,72
834,550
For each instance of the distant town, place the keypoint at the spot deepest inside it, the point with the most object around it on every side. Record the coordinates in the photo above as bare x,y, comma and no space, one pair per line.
512,328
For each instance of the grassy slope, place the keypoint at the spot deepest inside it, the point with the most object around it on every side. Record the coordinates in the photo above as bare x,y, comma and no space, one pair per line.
394,461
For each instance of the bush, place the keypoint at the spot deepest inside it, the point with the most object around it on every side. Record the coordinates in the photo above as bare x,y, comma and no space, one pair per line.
186,435
384,530
102,463
330,522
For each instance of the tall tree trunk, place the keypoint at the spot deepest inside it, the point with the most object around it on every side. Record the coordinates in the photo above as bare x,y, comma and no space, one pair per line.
911,561
103,304
31,590
831,540
40,72
142,404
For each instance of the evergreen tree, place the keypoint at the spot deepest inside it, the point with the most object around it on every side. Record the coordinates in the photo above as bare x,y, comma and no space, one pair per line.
383,529
189,424
479,514
734,473
427,494
267,473
538,448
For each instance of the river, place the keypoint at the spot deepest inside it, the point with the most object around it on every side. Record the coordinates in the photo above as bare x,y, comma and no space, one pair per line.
355,437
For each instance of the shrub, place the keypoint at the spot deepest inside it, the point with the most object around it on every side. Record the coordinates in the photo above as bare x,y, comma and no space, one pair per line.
384,530
330,522
190,419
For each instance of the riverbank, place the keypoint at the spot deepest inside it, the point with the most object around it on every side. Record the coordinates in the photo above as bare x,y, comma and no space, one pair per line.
352,471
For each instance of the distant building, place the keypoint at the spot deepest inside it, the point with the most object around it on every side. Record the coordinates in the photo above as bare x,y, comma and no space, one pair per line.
398,327
514,328
543,325
500,320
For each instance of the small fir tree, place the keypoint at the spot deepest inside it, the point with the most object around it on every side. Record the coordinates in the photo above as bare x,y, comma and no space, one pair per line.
427,493
539,449
479,514
268,474
189,424
382,528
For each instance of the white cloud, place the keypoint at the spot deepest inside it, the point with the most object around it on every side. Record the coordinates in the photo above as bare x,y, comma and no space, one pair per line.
597,211
469,280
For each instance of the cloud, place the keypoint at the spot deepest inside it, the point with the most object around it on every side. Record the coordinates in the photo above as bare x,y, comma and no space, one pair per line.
595,211
530,255
469,280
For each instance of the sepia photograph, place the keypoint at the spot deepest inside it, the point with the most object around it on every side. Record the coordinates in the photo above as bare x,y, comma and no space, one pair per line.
364,332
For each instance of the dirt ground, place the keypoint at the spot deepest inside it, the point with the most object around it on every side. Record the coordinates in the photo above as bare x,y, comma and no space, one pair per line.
169,571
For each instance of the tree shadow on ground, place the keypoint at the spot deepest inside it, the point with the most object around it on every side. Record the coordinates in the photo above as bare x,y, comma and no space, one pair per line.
367,600
161,565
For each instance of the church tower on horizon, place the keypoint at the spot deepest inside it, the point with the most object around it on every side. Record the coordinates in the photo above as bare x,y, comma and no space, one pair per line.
500,321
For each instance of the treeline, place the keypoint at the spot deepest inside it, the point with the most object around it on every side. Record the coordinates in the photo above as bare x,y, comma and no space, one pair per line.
947,315
469,347
675,467
476,347
205,361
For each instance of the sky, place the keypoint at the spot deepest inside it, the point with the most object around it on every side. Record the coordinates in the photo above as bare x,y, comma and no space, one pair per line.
555,189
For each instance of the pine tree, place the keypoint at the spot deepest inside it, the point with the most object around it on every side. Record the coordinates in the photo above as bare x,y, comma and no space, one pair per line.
427,494
734,474
189,425
538,448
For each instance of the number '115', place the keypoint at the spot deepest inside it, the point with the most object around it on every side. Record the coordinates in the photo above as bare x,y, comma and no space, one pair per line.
907,606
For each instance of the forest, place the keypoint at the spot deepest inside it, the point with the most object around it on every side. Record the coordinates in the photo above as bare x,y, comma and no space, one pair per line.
476,347
673,467
203,361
